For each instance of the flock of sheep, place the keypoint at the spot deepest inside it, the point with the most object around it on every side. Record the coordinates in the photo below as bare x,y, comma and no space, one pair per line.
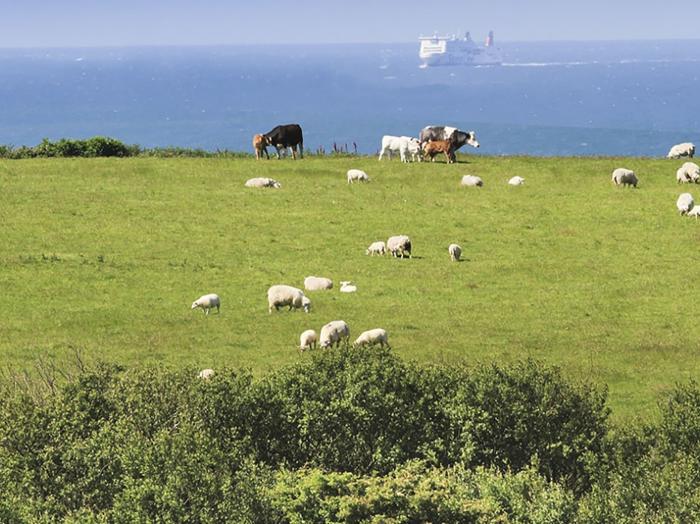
337,331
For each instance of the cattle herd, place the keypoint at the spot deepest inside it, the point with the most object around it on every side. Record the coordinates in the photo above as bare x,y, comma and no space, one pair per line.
432,140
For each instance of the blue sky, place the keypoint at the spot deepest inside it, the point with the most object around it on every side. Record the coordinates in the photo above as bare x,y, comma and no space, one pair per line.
59,23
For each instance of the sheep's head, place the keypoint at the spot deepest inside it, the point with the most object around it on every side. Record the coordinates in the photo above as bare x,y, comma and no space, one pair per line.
306,304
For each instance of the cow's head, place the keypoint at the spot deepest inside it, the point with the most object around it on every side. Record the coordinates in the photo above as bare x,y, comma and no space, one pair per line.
471,139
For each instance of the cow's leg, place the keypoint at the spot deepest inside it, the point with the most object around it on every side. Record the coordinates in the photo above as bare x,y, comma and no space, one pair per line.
278,152
381,154
294,152
266,154
301,149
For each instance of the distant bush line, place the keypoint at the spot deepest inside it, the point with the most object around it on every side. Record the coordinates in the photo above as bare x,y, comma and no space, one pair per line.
344,436
101,146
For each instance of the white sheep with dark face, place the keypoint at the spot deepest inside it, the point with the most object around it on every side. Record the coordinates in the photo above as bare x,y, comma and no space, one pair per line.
681,150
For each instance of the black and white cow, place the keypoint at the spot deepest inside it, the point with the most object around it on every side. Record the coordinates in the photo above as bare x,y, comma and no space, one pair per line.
286,136
458,138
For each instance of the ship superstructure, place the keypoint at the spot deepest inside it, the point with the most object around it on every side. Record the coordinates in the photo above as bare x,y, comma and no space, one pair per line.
452,50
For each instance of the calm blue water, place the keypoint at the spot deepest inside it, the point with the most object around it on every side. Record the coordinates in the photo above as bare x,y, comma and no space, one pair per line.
566,98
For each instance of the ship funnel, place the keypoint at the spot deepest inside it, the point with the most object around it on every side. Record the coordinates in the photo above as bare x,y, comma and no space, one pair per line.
489,39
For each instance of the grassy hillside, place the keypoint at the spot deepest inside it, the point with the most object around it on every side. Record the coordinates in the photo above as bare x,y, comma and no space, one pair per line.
107,255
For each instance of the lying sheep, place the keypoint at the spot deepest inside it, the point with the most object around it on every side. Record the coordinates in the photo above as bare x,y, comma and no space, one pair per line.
346,286
207,302
516,181
317,283
455,252
399,245
624,177
680,150
376,248
472,181
206,374
685,203
688,172
281,295
308,340
333,333
430,149
372,338
263,182
357,175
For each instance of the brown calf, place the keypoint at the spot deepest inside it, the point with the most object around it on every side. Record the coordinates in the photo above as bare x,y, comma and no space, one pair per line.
439,146
259,145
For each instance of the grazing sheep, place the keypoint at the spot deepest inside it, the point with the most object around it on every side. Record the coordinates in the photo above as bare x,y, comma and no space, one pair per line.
207,302
399,245
308,340
685,203
680,150
472,181
206,374
357,175
695,212
688,172
624,177
317,283
430,149
259,145
378,248
516,181
282,295
455,252
346,286
372,337
333,333
263,182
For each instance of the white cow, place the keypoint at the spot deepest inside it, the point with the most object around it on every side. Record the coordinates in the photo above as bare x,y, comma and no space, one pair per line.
402,144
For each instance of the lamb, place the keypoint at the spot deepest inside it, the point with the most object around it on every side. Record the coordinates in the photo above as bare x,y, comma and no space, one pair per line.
624,177
206,374
680,150
263,182
472,181
259,145
308,340
688,172
695,212
685,203
357,175
346,286
333,333
455,252
317,283
282,295
208,302
516,181
430,149
378,248
372,337
399,245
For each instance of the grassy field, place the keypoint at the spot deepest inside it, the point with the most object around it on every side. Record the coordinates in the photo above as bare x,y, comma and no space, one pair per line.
107,255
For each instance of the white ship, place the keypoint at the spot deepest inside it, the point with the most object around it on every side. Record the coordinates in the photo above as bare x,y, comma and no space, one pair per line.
451,50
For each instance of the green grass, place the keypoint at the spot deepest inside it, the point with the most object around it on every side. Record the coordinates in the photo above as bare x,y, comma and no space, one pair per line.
106,255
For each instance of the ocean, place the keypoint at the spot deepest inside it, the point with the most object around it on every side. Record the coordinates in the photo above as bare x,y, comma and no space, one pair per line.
547,99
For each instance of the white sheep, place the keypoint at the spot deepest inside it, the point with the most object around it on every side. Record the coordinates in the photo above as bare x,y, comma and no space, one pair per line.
455,252
624,177
688,172
281,295
516,181
680,150
206,374
399,245
685,203
207,302
346,286
357,175
376,248
333,333
472,181
263,182
308,340
317,283
695,212
372,337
